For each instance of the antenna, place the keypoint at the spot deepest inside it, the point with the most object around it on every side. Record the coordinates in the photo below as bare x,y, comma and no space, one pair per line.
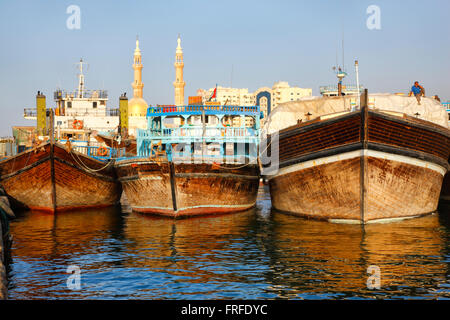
81,83
231,84
337,55
340,70
343,49
358,102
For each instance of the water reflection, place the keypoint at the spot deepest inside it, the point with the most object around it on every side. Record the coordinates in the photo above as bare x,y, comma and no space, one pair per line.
321,260
255,254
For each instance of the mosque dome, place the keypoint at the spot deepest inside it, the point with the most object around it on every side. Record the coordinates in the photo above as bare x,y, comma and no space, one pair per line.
137,107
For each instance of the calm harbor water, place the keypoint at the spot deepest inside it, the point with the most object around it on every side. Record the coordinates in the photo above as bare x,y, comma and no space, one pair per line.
257,254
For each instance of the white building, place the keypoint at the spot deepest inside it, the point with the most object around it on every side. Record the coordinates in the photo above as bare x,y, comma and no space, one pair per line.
282,92
80,112
228,96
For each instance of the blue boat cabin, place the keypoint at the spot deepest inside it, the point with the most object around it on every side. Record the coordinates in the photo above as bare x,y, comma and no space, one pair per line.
201,133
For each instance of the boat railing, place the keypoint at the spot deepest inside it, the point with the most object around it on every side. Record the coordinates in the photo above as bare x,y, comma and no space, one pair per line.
76,112
197,132
85,94
195,158
345,88
83,112
29,112
100,153
198,109
218,159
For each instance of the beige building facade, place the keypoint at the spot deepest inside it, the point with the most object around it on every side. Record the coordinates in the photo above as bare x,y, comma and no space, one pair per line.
267,98
228,96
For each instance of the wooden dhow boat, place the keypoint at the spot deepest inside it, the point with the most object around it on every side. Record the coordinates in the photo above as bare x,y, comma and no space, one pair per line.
128,144
361,166
53,177
194,160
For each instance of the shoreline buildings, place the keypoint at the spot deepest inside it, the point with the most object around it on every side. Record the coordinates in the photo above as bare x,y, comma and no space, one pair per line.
267,98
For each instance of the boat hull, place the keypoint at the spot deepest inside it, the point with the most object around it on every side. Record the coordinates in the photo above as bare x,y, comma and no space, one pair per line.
45,180
360,168
185,189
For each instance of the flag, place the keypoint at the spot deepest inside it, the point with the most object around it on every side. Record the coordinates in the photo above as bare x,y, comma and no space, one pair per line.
214,94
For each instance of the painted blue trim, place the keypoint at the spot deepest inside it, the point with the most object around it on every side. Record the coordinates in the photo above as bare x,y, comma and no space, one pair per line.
197,110
267,95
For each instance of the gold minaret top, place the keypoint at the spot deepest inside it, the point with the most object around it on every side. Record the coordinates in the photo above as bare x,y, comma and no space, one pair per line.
137,107
179,83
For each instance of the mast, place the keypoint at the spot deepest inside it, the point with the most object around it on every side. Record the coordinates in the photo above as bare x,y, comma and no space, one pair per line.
203,132
81,79
357,83
52,158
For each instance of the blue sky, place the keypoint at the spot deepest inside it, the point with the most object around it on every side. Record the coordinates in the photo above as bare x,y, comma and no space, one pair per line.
264,41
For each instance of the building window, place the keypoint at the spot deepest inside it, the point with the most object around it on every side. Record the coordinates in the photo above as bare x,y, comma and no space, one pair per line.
94,104
69,104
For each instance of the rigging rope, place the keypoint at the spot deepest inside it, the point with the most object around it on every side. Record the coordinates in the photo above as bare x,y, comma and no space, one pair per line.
80,162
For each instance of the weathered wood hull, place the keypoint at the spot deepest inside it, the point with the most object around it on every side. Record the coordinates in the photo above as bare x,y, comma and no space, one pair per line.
57,180
185,189
362,167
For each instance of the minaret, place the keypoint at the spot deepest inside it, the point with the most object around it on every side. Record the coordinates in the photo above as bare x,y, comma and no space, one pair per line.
179,83
137,67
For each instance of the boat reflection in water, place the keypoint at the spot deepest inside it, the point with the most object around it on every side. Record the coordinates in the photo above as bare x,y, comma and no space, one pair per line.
44,246
248,255
316,259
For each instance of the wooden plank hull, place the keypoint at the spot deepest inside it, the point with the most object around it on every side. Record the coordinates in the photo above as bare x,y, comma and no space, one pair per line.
360,168
181,190
43,180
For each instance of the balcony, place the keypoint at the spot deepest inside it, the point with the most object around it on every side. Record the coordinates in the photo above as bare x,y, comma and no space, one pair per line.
222,135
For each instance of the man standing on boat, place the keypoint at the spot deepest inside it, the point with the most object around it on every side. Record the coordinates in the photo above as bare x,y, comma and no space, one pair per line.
417,90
